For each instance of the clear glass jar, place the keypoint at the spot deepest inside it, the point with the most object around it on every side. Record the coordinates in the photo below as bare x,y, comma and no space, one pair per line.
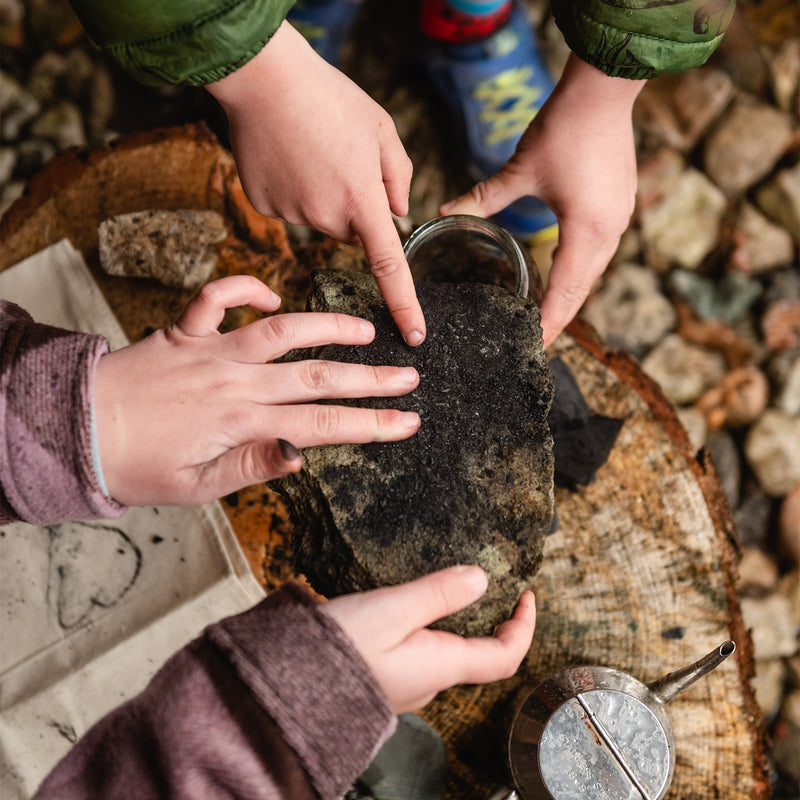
466,249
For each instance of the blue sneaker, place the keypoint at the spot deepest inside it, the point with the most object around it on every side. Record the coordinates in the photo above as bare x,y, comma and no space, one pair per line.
325,24
494,88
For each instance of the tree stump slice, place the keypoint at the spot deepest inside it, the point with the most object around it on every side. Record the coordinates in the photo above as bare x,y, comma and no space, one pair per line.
639,576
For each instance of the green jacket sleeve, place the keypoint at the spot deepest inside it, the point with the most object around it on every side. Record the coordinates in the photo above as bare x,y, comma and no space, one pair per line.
181,41
643,38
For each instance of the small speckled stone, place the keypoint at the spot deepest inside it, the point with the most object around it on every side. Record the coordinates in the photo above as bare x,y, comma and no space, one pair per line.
474,485
174,247
772,448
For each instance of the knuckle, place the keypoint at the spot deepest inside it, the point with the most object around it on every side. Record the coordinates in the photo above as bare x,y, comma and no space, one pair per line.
480,193
573,294
405,167
316,375
209,295
327,420
384,266
279,330
377,375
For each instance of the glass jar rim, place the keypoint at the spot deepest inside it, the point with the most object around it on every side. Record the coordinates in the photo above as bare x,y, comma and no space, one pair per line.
517,257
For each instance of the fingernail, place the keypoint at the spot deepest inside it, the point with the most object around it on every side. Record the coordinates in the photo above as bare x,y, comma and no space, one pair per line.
477,578
288,450
414,337
408,375
367,328
410,419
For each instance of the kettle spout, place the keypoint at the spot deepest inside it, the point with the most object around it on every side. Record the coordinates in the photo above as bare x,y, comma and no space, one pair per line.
667,687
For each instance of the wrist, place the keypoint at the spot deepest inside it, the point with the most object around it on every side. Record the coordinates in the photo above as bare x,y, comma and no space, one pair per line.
593,89
107,427
252,81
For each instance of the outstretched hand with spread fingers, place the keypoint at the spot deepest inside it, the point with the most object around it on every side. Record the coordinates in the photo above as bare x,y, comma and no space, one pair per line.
413,663
578,156
190,414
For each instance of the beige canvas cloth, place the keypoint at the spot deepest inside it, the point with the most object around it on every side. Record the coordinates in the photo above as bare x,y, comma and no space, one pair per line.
90,610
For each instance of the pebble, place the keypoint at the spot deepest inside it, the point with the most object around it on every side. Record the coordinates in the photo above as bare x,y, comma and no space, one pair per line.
679,109
8,160
758,573
770,621
683,370
713,334
779,199
17,107
34,153
780,324
629,310
46,75
785,747
784,68
768,684
728,299
764,245
61,124
782,284
746,145
790,708
751,519
789,525
725,456
772,448
737,400
11,191
658,176
789,588
787,397
80,70
683,227
694,424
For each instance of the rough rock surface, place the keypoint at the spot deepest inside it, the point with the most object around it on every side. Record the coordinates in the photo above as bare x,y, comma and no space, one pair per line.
474,485
174,247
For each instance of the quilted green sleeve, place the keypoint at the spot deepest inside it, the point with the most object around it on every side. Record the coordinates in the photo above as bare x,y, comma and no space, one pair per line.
643,38
181,41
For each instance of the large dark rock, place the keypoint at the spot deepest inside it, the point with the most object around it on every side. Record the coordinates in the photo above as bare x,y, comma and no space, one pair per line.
474,485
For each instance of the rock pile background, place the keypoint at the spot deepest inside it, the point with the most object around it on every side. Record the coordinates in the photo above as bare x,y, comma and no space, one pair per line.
704,290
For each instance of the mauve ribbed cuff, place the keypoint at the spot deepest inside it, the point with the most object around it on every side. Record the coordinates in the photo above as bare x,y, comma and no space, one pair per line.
308,676
46,465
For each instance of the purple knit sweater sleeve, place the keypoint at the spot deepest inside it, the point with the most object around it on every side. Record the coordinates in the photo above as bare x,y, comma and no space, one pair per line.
272,704
46,467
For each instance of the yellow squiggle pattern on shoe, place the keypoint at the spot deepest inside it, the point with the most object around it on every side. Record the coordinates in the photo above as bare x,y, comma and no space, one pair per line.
508,103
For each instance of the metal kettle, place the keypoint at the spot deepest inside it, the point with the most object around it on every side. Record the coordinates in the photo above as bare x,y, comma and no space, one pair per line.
595,733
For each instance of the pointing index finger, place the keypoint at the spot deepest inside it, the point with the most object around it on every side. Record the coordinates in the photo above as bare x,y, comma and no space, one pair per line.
389,266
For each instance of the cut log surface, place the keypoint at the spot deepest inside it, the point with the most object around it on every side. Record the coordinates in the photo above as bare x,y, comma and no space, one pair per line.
639,576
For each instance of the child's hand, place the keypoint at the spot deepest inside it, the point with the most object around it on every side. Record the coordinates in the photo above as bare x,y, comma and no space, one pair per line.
578,156
413,663
189,414
313,148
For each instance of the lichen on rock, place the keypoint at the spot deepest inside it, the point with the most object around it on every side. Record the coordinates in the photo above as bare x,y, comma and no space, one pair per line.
473,485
